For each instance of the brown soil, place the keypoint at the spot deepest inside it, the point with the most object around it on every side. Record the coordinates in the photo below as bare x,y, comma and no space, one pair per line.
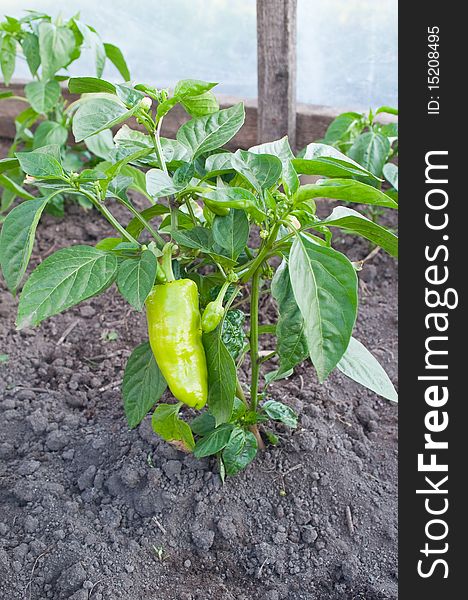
93,511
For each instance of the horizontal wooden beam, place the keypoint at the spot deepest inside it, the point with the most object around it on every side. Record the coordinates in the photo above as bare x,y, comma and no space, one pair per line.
311,121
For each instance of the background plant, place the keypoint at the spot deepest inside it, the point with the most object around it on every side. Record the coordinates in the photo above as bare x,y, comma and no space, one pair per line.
224,220
371,143
49,47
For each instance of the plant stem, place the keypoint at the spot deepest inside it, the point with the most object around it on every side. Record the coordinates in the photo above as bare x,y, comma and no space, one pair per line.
267,357
143,221
254,339
109,216
157,146
240,392
253,428
262,253
159,153
167,262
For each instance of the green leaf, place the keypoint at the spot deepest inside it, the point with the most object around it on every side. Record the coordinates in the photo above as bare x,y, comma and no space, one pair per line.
202,105
352,221
371,150
231,232
56,47
221,376
30,46
108,243
12,188
42,95
390,172
388,130
324,283
126,137
128,94
17,239
233,334
345,189
114,54
115,169
218,164
203,424
174,152
213,442
56,206
197,237
236,197
138,181
89,85
360,365
101,144
7,57
50,133
160,184
282,150
261,170
280,412
240,451
167,424
9,184
387,109
192,87
208,133
97,114
42,162
321,159
99,54
276,375
135,226
64,279
143,384
342,128
8,164
290,331
135,278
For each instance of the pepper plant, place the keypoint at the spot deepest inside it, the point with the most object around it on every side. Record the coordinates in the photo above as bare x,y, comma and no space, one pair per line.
374,145
222,230
48,47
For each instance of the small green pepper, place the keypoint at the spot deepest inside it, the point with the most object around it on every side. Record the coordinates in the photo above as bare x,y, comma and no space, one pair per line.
214,310
215,208
212,316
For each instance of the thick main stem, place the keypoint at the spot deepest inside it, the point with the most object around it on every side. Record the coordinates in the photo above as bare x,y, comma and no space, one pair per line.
162,162
262,254
254,299
253,428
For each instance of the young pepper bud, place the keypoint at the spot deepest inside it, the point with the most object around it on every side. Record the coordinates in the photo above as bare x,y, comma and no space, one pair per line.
145,103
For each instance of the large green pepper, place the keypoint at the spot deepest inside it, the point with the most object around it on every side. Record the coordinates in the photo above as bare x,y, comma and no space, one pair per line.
175,335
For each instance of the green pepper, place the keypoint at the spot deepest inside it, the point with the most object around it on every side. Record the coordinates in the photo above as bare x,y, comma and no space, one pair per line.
212,316
214,310
175,336
215,208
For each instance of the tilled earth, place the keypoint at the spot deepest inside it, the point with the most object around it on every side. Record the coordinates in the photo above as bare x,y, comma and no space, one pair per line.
93,511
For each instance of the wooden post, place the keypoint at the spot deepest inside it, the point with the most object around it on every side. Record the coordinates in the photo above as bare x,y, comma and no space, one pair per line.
276,53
